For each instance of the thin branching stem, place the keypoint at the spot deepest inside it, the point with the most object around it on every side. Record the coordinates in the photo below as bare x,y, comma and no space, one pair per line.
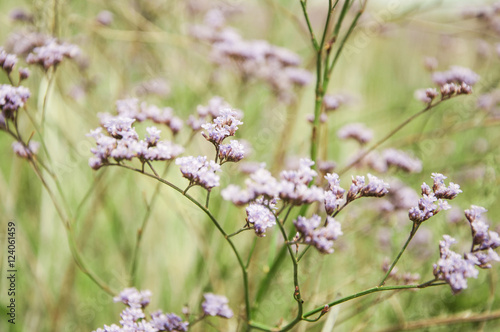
214,221
392,133
410,237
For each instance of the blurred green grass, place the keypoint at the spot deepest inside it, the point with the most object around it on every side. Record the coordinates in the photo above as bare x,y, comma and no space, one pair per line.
182,255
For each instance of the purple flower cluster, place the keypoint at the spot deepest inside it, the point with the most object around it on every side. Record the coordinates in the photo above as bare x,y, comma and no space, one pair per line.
131,108
122,143
199,171
359,188
322,238
333,102
260,215
234,151
381,162
52,53
133,318
427,207
334,195
294,185
12,98
223,126
260,183
482,237
212,110
253,59
356,131
426,95
23,151
216,305
7,61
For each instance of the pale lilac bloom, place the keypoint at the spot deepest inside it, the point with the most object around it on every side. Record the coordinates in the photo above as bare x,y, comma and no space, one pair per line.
52,53
199,171
23,151
402,160
223,126
426,95
153,136
322,238
134,298
261,216
452,268
356,131
7,61
168,322
216,305
455,74
234,151
427,207
12,98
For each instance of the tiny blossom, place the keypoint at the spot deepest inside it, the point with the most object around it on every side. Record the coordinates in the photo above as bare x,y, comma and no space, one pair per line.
430,63
260,183
216,305
481,236
357,131
235,151
375,188
199,171
427,207
133,318
322,118
52,53
23,151
104,17
134,298
24,73
457,75
452,268
334,196
322,238
168,322
153,136
333,102
294,187
440,189
326,166
426,95
261,216
21,15
223,126
12,98
7,61
402,160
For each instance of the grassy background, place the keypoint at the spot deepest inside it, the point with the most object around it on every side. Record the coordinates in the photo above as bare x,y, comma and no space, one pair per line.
182,255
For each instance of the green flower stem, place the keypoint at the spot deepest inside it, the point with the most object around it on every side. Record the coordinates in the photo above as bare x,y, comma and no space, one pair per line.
412,234
303,3
370,291
214,221
70,234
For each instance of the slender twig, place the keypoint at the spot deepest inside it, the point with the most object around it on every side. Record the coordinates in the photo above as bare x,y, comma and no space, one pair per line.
394,131
214,221
410,237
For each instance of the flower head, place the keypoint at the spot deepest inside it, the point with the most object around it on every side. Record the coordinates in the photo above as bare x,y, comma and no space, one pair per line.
199,171
216,305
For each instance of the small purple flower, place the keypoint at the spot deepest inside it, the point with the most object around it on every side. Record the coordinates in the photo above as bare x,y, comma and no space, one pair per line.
223,126
234,151
52,53
261,216
356,131
216,305
168,322
322,238
24,151
134,298
12,98
199,171
402,160
452,268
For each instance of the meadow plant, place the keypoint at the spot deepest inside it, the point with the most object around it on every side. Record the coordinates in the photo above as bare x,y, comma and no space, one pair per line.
289,210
